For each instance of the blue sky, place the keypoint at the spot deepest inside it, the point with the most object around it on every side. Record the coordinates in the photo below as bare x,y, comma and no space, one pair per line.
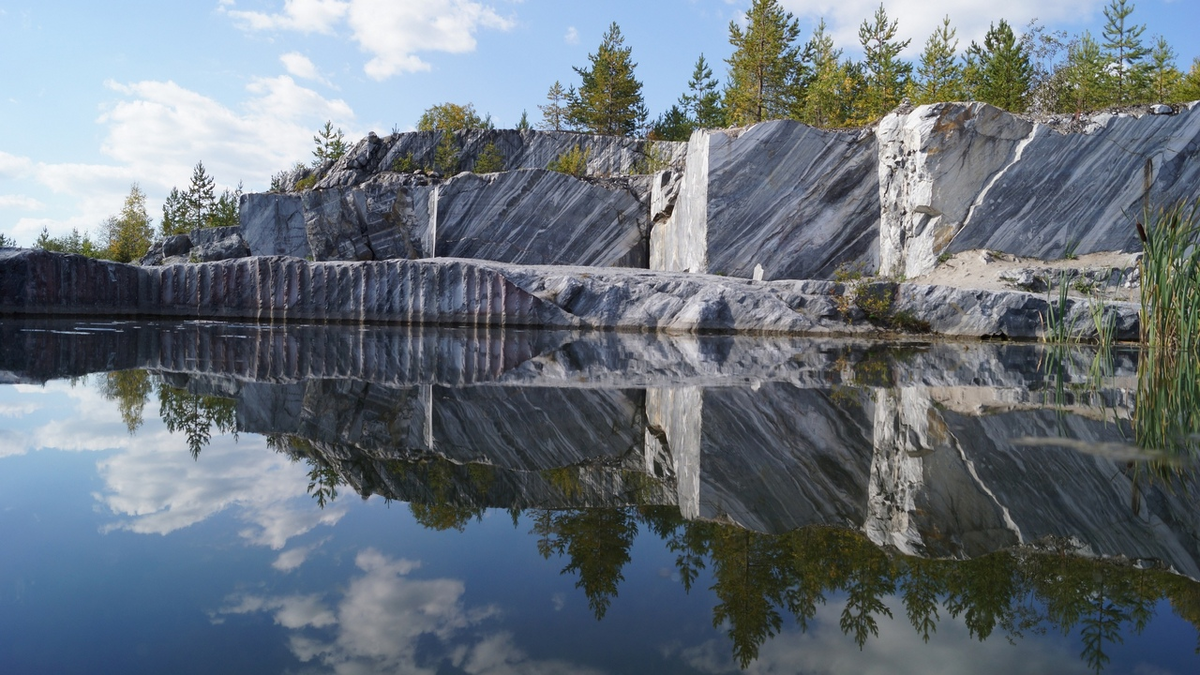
97,96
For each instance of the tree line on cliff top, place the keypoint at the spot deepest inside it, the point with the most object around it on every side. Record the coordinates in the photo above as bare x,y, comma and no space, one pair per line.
773,74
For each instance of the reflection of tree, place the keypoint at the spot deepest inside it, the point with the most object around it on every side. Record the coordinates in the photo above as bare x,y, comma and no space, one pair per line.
757,578
597,541
195,415
130,389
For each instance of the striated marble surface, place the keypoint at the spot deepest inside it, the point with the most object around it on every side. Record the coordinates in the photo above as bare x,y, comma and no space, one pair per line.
541,217
961,176
791,199
449,291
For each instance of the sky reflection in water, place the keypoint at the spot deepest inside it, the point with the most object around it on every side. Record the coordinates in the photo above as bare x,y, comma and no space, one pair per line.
125,554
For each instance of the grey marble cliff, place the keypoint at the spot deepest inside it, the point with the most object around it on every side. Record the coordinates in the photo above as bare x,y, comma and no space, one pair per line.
777,200
790,200
958,176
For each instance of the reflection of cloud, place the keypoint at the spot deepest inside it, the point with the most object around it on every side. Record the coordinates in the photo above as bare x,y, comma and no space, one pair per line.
160,491
897,649
293,558
383,614
18,410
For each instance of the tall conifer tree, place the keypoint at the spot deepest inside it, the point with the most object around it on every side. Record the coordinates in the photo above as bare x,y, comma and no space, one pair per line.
765,69
939,75
886,74
1123,42
609,100
1002,69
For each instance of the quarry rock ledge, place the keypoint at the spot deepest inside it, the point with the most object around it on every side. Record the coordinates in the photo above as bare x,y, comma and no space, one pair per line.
458,292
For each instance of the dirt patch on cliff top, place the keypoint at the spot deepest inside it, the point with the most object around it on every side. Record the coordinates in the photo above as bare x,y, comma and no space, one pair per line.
1112,276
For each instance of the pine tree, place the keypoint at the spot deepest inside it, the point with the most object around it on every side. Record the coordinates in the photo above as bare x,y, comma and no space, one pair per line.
200,198
1189,88
939,76
1002,69
1164,75
887,76
673,125
523,124
1085,77
175,215
765,69
702,103
823,103
226,212
609,100
554,113
127,236
331,145
1124,46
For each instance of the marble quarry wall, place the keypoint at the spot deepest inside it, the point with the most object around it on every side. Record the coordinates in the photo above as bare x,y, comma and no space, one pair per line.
777,200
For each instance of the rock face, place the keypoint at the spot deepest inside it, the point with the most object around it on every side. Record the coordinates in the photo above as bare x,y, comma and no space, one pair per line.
539,217
606,155
451,291
777,200
955,177
795,200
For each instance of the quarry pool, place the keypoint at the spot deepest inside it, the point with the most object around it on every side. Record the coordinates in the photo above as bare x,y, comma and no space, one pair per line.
215,497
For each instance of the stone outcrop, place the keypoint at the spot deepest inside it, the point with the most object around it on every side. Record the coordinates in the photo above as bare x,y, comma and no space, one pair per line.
456,292
606,155
793,201
204,245
956,177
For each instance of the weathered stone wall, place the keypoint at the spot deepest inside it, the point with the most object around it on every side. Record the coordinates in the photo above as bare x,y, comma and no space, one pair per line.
793,200
957,176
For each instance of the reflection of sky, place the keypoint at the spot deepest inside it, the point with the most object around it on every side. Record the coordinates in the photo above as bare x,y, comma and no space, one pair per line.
244,573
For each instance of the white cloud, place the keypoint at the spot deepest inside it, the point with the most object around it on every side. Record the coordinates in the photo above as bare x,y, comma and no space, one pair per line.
918,18
301,66
572,36
393,32
157,131
19,202
305,16
18,410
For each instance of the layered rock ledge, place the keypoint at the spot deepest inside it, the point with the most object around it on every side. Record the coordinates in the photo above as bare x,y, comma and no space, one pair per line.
456,292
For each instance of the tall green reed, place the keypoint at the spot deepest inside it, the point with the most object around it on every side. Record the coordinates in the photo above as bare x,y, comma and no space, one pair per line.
1168,397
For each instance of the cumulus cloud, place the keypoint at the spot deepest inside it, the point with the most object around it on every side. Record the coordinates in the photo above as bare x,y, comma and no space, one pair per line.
302,67
572,36
918,18
157,131
384,612
20,202
393,32
305,16
293,558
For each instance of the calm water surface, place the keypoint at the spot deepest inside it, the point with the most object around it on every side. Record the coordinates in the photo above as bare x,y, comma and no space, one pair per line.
188,497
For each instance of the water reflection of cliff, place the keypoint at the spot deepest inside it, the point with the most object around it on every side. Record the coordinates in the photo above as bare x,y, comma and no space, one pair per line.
782,466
